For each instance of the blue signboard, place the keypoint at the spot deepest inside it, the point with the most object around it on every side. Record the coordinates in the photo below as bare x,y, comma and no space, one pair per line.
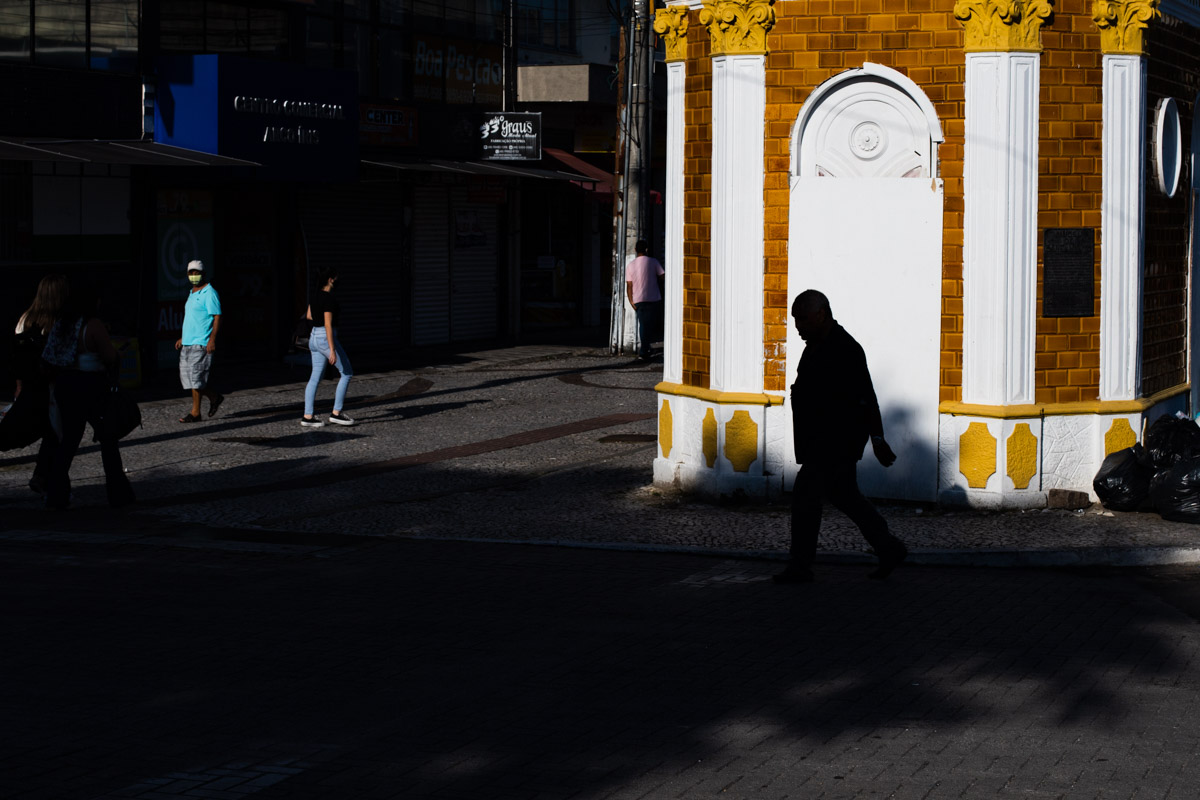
300,123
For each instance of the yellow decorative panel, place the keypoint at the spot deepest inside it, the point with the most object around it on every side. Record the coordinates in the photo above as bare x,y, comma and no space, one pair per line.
741,441
1121,23
1022,455
1120,435
738,27
671,24
666,429
977,455
1003,26
708,437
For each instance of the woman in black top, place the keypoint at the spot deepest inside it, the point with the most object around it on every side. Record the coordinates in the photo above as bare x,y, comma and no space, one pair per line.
323,344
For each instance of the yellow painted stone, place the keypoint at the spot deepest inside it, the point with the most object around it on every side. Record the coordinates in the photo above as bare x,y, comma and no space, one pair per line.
1121,23
1003,26
738,27
1022,455
708,437
666,429
741,441
1120,436
671,24
977,455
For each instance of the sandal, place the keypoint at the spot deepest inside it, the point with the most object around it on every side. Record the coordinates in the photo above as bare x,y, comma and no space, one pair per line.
214,404
189,417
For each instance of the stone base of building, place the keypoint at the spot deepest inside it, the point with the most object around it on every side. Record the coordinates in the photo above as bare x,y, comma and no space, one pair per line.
720,445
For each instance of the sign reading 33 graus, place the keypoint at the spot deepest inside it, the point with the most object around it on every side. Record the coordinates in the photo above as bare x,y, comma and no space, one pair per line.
508,136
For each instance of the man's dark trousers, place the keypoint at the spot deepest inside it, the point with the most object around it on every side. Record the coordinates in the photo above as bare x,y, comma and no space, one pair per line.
649,322
837,481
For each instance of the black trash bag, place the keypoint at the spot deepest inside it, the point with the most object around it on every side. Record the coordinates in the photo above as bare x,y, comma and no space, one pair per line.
1123,482
1176,492
1172,439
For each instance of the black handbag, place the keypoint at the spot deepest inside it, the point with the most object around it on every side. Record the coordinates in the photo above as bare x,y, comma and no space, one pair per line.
119,416
27,418
302,333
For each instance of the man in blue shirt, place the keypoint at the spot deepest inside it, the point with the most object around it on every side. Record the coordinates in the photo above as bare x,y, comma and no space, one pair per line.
201,320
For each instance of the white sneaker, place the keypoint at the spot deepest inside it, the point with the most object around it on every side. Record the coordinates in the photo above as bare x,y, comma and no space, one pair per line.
311,423
340,419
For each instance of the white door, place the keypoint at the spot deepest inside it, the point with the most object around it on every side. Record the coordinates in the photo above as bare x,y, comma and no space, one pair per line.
1194,264
866,229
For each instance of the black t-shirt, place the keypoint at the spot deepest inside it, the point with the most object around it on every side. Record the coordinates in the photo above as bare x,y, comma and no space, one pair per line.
321,302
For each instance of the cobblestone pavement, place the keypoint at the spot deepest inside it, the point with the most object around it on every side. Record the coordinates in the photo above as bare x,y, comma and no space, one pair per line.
495,444
372,668
347,613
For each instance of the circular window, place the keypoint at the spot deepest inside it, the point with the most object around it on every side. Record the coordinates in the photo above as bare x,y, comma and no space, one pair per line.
1168,147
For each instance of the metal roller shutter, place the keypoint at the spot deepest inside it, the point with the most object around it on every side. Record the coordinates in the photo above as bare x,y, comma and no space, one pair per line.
431,266
358,229
474,270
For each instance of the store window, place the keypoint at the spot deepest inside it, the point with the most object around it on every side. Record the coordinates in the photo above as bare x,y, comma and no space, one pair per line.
113,35
546,23
78,34
14,30
60,33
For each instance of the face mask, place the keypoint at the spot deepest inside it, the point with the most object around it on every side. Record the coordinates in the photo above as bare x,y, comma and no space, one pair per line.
195,279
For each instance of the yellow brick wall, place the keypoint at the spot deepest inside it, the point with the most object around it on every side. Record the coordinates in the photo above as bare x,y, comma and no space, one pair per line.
697,206
810,43
1067,360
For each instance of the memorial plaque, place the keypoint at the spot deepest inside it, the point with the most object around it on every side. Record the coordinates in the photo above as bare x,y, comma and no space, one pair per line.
1068,270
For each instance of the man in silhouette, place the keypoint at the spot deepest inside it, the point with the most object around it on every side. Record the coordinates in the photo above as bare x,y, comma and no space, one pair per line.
834,413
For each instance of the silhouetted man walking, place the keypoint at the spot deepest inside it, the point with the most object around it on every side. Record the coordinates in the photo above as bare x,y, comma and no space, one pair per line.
834,413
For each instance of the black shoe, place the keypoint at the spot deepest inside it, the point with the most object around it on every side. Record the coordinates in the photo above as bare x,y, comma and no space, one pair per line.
794,574
888,561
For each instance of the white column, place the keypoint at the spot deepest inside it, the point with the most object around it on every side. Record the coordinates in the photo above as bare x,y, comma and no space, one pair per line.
1000,227
739,105
1121,226
673,307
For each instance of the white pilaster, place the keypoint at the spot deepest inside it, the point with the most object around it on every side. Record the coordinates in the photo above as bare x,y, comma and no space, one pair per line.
739,105
1122,219
673,306
1000,227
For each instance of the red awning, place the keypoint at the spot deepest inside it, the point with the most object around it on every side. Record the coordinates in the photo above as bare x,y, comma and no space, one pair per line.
601,182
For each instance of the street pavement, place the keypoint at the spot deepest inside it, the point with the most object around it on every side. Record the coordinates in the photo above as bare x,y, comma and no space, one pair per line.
376,612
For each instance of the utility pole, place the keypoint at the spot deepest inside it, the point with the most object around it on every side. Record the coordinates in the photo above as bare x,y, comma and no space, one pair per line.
630,207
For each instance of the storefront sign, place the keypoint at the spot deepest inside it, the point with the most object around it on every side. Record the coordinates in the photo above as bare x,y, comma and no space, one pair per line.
457,72
508,136
1068,272
299,123
387,126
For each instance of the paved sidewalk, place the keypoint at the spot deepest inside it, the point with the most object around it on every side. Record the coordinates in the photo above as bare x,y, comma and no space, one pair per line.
494,445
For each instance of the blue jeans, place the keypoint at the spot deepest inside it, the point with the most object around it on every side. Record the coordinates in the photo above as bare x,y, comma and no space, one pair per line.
318,346
649,322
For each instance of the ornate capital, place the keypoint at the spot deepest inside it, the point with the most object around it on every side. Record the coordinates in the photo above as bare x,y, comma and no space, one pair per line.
1003,26
1121,23
738,27
671,23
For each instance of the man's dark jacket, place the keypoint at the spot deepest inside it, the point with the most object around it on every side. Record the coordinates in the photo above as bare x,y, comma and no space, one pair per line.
834,409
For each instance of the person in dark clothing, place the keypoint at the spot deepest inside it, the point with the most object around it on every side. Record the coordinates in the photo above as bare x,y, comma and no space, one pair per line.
834,414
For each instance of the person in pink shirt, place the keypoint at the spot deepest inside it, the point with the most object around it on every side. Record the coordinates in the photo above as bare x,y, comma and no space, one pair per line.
643,285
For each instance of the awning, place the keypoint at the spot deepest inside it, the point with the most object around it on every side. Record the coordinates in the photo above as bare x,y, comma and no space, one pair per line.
94,151
601,181
500,169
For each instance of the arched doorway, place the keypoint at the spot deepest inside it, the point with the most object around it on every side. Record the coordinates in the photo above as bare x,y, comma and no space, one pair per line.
866,229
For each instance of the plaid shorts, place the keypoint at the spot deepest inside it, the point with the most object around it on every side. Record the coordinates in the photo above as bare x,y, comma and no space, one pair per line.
194,365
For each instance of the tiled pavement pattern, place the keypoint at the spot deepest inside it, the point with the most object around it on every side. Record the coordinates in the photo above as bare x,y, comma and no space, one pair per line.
535,444
407,669
238,636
